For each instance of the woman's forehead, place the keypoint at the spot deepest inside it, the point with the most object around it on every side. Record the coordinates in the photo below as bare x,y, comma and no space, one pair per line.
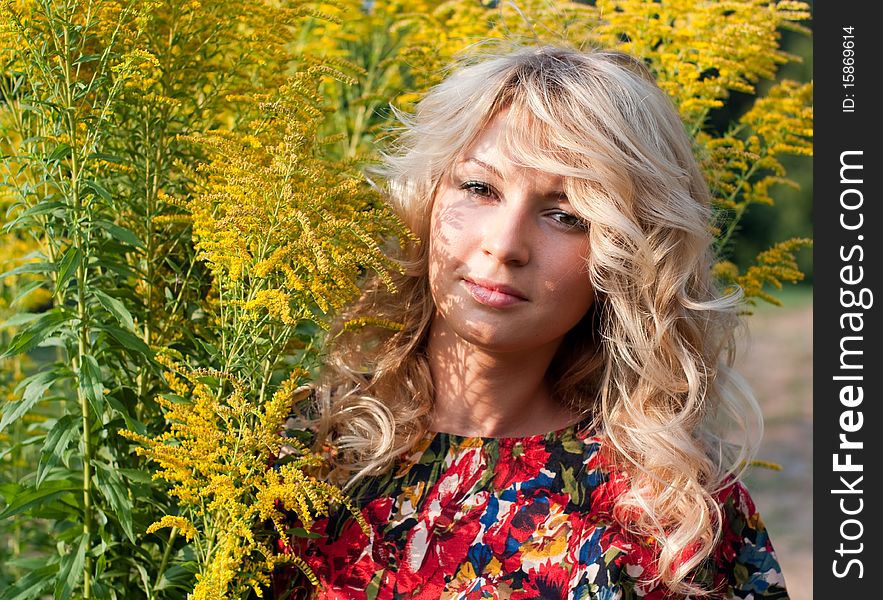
508,139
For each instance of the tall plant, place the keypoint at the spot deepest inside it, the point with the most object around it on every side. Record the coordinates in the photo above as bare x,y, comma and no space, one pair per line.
64,72
105,107
286,234
184,215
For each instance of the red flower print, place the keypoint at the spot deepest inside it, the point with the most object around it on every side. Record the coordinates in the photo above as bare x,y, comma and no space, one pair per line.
549,581
343,565
743,509
522,519
445,529
520,460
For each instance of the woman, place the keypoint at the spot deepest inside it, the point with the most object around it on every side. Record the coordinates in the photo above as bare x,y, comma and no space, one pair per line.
549,420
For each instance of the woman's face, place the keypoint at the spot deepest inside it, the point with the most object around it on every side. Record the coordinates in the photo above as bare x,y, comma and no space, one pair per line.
506,252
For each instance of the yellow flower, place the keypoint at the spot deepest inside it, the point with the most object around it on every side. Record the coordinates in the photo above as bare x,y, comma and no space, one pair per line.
183,525
217,454
276,302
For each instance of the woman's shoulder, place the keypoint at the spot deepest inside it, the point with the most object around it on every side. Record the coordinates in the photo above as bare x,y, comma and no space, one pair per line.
744,561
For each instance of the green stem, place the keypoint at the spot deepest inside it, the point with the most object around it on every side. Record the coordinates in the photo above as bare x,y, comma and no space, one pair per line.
165,559
151,187
739,210
87,429
18,475
79,241
178,300
265,380
363,113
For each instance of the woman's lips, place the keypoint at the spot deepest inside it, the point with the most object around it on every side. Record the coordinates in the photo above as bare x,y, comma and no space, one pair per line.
492,294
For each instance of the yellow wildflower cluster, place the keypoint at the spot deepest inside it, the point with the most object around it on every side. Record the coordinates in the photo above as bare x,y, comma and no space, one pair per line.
701,50
182,524
218,455
362,322
282,228
397,49
742,170
783,120
277,304
774,266
164,37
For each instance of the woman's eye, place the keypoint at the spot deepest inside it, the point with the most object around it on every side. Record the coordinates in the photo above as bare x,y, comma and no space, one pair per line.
570,221
478,188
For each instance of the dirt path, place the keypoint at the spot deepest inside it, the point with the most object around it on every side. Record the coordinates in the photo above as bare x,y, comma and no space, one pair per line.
776,358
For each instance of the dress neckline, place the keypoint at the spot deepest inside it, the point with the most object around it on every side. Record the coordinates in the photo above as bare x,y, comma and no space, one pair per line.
458,439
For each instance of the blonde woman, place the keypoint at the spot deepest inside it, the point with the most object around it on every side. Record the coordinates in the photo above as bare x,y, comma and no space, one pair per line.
555,417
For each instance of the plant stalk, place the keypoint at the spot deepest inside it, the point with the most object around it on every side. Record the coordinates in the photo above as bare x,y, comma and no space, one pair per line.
79,241
165,559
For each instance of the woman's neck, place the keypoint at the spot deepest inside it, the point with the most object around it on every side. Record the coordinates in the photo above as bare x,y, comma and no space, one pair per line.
479,392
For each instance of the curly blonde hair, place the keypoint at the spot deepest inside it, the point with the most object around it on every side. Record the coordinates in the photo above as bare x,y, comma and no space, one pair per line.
651,361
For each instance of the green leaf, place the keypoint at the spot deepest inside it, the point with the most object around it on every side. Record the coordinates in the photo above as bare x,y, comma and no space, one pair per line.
136,476
119,407
61,151
302,533
68,266
34,267
128,340
177,577
29,497
145,579
117,309
41,208
29,338
114,491
9,490
100,591
180,399
56,444
90,382
116,266
120,233
111,158
24,291
26,563
34,388
12,207
101,563
70,535
32,585
71,569
211,349
20,319
98,189
87,58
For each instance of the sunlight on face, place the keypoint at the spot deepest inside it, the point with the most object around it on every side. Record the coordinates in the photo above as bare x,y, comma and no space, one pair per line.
506,252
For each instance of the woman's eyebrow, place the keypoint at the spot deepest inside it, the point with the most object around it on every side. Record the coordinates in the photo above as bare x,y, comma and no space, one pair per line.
485,166
558,195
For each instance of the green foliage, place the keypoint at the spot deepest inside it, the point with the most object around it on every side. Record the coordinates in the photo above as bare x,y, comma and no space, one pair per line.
184,213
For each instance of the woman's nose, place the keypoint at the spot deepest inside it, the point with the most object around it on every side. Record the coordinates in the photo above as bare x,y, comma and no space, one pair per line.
506,235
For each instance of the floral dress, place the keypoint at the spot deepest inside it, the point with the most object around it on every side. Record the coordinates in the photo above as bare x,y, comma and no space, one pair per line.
528,517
